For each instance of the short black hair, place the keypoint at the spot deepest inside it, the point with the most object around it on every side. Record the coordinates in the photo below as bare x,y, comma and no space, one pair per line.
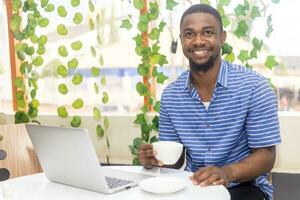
203,8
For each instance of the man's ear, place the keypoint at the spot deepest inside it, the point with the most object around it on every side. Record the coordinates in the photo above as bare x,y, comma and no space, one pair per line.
223,37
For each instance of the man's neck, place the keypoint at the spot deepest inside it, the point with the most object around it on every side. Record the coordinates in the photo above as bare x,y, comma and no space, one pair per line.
206,80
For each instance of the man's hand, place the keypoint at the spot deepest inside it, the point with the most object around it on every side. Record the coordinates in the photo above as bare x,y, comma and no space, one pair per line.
147,156
210,175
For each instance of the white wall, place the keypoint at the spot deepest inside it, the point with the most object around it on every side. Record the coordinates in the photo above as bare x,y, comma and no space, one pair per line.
122,131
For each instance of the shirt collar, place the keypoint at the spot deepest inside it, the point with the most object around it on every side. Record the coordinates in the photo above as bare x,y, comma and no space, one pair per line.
221,80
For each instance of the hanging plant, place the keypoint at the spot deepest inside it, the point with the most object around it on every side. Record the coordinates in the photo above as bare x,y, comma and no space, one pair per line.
148,48
30,49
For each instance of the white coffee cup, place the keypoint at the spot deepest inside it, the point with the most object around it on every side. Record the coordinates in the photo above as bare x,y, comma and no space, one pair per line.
167,151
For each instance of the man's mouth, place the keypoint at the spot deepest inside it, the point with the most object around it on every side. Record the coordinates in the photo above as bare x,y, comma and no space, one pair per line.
200,52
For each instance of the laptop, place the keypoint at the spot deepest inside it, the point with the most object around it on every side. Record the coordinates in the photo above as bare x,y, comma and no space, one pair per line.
67,156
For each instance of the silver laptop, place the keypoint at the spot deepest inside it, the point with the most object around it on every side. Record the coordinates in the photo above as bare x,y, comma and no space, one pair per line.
67,156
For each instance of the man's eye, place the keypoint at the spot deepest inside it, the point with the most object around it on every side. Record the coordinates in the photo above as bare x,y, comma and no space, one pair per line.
188,34
208,33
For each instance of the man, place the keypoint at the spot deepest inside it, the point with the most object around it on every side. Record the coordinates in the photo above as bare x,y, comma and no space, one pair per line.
224,114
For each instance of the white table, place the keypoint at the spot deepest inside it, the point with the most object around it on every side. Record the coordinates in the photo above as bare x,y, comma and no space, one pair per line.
38,187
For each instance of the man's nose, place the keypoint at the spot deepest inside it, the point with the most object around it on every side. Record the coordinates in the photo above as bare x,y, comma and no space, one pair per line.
199,39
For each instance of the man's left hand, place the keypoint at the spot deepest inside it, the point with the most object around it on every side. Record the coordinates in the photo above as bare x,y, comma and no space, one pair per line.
210,175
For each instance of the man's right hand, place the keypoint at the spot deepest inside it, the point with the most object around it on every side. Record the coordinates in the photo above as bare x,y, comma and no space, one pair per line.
147,156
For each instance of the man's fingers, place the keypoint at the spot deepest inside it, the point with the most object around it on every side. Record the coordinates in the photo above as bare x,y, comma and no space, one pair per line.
219,182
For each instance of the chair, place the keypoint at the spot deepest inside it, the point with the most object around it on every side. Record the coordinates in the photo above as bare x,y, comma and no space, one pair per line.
17,155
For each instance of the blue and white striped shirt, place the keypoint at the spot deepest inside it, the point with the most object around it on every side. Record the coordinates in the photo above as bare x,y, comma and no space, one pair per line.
242,115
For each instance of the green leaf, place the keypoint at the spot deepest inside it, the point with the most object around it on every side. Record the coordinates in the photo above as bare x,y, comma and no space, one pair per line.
32,112
16,5
62,70
205,2
243,56
161,77
142,26
49,8
241,29
33,93
275,1
15,22
137,142
246,4
142,89
95,71
43,22
61,29
78,103
103,80
154,34
75,3
136,161
126,24
29,51
140,119
38,61
240,10
269,31
62,51
226,49
225,21
171,4
63,89
143,70
21,55
101,61
257,43
106,122
77,19
98,19
105,97
96,114
139,4
161,26
96,88
224,2
91,24
138,40
18,82
271,62
42,39
41,49
76,121
19,95
62,112
21,117
255,12
77,79
99,131
93,51
73,63
91,6
153,139
76,45
153,11
155,122
156,107
35,103
34,39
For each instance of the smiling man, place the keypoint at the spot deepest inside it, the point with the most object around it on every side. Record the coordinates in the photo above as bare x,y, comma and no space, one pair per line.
224,114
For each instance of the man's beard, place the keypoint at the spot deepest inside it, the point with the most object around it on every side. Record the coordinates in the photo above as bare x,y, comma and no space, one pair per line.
204,67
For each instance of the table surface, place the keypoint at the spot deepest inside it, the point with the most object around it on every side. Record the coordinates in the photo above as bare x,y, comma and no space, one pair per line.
38,187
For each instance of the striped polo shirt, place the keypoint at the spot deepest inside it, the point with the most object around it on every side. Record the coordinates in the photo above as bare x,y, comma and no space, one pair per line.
242,115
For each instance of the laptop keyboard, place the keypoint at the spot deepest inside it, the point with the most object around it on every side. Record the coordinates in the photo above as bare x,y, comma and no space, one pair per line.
116,182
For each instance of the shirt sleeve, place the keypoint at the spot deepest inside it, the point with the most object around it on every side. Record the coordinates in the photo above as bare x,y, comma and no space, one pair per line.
262,124
167,131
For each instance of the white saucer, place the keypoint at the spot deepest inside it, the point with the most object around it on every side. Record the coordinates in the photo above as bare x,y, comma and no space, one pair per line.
162,184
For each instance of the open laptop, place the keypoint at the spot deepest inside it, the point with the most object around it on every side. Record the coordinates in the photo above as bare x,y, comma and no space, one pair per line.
67,156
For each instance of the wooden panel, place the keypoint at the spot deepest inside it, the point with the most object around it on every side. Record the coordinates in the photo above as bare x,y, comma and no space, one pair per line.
21,159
